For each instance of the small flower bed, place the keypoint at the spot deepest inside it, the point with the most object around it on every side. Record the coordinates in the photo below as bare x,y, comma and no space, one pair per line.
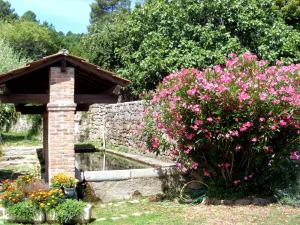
28,198
235,125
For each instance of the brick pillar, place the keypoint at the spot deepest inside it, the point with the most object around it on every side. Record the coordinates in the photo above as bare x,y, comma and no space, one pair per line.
61,128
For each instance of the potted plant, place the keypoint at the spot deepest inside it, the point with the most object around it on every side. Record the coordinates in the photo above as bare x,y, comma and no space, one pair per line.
73,211
25,212
68,184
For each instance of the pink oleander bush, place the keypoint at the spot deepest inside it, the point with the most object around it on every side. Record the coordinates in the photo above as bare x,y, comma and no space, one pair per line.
235,124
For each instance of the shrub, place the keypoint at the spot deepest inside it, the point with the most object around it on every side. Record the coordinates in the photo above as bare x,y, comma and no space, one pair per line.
61,180
235,125
69,210
47,200
22,211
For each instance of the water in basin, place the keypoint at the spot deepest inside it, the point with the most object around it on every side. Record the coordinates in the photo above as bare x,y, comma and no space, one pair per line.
97,161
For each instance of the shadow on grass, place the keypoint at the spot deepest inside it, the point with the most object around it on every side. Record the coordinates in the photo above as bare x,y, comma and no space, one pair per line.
8,174
10,137
15,139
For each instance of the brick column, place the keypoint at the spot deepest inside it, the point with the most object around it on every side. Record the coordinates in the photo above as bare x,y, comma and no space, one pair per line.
61,128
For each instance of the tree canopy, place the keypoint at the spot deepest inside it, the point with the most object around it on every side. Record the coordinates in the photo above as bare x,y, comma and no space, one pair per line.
9,60
29,16
165,35
6,12
103,11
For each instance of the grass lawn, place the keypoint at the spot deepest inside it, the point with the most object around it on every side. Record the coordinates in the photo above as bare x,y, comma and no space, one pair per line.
170,213
20,139
140,212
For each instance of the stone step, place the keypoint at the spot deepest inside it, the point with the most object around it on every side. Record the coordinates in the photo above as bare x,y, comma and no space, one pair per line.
16,157
17,163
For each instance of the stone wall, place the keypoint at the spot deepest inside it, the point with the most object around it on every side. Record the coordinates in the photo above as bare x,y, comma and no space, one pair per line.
116,122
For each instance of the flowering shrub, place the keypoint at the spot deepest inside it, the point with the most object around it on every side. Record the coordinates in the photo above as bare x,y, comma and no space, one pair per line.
47,199
235,125
61,180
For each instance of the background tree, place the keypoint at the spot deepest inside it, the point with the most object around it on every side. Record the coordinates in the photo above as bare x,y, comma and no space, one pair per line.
103,11
162,36
290,10
9,60
30,39
6,12
29,16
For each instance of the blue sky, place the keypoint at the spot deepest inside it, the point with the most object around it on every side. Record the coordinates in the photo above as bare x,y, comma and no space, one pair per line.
65,15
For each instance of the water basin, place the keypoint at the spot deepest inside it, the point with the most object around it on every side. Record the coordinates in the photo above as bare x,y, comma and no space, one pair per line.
100,160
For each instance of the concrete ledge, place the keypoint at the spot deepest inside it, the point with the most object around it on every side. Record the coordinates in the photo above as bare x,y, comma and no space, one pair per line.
105,175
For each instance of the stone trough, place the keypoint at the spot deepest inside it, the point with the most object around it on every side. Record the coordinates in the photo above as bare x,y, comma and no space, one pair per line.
112,185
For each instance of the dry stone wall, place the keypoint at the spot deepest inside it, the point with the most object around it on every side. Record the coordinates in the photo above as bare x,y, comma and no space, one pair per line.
118,122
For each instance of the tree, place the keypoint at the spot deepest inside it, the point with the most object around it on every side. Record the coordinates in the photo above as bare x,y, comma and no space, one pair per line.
30,39
290,10
9,60
165,35
103,11
6,12
29,16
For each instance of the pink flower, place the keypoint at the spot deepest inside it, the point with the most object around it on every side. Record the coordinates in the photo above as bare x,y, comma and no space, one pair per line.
232,55
192,91
190,136
275,101
155,115
206,173
238,148
295,156
198,122
273,127
254,139
243,96
282,123
268,149
236,182
261,119
263,96
195,165
155,143
209,119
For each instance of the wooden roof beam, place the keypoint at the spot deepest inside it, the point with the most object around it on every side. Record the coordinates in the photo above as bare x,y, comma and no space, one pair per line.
44,98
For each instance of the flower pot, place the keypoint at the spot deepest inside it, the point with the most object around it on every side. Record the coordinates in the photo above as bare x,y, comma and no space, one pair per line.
70,192
51,216
38,218
85,216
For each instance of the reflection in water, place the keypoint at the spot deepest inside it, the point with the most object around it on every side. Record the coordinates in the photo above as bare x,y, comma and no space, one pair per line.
95,161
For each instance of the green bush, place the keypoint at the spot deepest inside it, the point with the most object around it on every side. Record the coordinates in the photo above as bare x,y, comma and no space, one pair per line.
69,210
22,211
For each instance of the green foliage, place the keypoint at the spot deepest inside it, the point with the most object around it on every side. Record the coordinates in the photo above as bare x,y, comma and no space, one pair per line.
30,39
22,211
163,36
69,210
290,10
9,60
71,41
6,12
103,11
29,16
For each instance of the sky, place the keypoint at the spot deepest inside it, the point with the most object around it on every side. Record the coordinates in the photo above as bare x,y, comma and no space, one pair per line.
65,15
